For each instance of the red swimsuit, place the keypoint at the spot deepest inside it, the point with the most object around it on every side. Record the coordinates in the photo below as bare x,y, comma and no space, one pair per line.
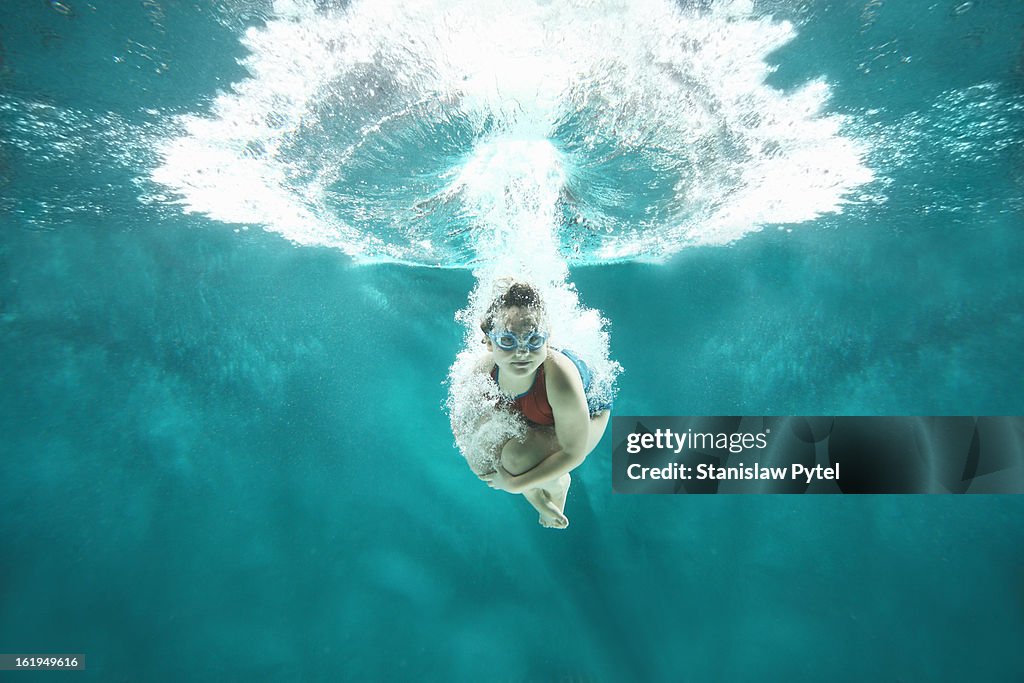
533,404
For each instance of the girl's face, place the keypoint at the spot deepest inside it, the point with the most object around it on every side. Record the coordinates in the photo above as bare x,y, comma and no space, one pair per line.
520,361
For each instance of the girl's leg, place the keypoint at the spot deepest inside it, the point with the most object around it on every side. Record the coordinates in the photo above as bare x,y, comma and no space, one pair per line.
520,456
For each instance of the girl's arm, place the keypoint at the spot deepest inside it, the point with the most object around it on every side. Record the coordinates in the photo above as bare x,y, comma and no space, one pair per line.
572,427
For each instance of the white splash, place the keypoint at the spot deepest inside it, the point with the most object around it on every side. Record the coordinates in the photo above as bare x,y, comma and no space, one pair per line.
362,128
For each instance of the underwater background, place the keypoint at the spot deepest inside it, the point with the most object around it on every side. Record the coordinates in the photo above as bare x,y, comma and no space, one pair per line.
225,453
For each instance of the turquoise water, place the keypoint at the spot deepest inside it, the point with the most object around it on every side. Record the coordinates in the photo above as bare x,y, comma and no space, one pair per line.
226,454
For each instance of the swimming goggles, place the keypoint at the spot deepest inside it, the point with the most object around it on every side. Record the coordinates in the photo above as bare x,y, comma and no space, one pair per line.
506,341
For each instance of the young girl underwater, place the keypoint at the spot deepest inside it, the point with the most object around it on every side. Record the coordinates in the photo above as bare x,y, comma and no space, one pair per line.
552,391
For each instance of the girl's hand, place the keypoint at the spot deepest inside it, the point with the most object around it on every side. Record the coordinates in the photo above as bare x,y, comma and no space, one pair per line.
501,480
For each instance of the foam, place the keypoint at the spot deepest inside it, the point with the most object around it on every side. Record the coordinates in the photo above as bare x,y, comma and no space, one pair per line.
479,428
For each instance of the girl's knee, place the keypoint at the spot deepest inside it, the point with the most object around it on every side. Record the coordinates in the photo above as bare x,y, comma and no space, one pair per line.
512,456
519,456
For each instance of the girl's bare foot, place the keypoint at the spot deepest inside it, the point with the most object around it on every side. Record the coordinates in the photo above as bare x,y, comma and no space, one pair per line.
550,515
559,492
549,501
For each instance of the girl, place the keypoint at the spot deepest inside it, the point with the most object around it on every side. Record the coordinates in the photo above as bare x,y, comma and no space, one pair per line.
549,388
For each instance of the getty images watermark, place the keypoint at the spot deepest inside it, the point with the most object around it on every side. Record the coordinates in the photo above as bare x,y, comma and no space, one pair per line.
726,454
736,442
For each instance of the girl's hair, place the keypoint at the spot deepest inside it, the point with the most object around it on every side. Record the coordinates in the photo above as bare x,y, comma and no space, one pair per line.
512,293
